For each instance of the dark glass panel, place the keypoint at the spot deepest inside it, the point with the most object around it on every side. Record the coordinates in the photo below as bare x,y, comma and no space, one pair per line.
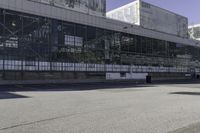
90,52
67,43
80,43
109,42
13,46
1,33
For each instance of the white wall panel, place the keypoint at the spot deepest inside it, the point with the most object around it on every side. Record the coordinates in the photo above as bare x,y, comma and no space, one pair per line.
44,66
116,68
118,76
80,67
68,67
111,76
100,68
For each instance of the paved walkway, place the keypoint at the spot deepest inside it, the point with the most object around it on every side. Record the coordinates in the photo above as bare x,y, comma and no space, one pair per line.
100,108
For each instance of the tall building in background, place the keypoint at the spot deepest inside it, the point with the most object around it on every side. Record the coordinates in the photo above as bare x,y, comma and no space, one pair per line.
194,31
151,17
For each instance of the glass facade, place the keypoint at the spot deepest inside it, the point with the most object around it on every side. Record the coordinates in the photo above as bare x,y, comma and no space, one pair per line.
40,43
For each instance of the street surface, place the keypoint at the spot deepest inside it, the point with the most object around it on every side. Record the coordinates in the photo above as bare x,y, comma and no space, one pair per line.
100,108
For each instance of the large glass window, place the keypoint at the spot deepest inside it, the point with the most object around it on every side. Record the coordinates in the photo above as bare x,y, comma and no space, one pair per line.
116,48
67,46
100,46
2,32
13,35
33,38
80,43
109,42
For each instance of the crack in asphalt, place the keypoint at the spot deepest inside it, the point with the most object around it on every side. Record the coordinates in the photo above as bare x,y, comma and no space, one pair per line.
193,128
30,123
59,117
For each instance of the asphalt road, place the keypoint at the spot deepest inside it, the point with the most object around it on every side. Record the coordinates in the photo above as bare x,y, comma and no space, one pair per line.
100,108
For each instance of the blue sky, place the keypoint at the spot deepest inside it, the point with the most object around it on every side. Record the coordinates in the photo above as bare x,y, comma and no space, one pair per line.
188,8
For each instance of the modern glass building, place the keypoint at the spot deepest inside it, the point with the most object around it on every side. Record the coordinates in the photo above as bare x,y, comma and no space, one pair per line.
41,42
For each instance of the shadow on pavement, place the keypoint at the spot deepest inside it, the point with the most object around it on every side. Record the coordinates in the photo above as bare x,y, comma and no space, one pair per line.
186,93
86,86
70,87
8,95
